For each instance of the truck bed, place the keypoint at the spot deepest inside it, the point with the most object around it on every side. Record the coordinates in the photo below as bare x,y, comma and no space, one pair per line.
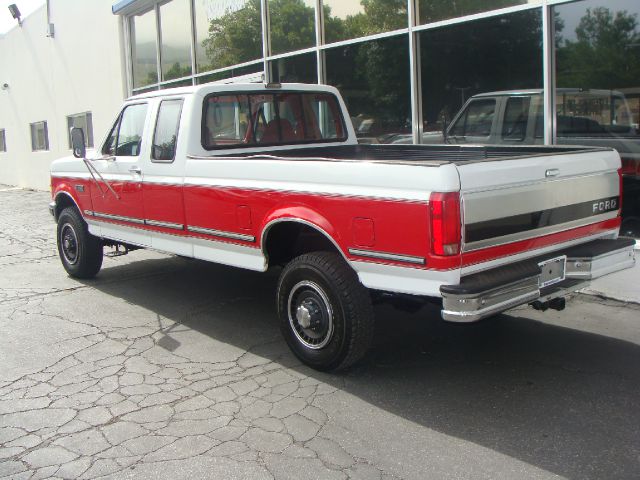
423,154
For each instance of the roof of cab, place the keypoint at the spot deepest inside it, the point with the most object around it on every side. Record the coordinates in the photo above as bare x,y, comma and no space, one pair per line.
232,87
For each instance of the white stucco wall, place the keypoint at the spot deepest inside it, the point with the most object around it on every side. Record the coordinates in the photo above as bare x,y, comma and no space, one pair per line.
81,69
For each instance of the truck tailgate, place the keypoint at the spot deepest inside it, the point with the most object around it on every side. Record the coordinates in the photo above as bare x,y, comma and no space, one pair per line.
518,206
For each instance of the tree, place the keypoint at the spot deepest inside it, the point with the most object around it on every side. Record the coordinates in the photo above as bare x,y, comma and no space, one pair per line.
176,71
434,10
292,25
235,37
499,53
605,54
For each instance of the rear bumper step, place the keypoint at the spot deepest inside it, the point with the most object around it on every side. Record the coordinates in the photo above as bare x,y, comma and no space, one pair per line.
488,293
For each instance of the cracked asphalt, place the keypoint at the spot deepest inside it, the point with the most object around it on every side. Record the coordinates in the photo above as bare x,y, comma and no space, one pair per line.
164,367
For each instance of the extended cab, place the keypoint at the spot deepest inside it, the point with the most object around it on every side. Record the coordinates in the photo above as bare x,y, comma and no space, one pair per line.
261,176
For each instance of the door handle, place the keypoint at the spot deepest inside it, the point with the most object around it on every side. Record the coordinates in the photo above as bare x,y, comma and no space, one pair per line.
135,169
552,172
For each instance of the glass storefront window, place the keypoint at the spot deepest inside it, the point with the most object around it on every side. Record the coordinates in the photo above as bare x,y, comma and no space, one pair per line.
375,86
143,41
345,19
254,71
597,48
227,33
436,10
292,25
181,83
297,69
176,39
487,61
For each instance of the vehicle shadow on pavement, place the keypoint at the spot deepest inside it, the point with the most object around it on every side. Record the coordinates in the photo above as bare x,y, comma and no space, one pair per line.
563,400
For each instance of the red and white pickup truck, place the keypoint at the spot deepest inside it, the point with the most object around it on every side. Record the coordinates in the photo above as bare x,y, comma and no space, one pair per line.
260,176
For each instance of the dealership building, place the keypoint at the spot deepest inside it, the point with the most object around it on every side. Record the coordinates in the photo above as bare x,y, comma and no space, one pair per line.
405,67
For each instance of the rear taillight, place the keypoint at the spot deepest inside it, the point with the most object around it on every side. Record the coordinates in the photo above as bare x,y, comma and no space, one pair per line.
445,223
630,167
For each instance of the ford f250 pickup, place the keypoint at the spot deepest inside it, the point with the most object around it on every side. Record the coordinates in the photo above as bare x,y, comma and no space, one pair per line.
262,176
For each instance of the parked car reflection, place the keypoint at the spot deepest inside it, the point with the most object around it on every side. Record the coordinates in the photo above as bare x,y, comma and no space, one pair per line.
591,117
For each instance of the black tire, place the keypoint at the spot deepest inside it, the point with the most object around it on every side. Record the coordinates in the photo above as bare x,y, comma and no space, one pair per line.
323,292
80,252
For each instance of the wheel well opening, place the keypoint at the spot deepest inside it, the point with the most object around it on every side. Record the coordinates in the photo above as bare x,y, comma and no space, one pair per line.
63,201
287,240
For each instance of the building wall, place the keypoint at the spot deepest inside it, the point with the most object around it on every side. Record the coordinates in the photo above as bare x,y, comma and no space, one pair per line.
80,69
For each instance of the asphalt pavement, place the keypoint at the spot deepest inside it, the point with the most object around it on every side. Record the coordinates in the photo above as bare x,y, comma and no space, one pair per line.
164,367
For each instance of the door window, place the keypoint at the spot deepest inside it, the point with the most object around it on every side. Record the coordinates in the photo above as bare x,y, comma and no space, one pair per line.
516,116
130,130
477,119
166,134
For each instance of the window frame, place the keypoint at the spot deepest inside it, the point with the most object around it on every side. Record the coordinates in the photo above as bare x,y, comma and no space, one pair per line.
116,125
249,93
46,136
88,135
155,129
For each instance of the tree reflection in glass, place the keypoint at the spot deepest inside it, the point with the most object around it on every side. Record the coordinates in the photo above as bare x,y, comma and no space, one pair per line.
597,48
228,32
435,10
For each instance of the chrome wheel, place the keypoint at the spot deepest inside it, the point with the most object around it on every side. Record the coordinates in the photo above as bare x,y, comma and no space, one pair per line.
69,243
310,314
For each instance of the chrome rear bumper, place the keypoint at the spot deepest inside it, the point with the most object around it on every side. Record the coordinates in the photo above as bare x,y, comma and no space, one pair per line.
488,293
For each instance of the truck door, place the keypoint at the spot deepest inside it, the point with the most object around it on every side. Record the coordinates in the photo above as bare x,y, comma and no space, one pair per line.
162,186
120,167
475,123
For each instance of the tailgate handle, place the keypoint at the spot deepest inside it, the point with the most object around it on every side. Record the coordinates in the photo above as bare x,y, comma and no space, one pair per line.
552,172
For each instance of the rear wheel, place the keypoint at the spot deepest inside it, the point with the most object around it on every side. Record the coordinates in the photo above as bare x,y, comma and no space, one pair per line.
80,252
325,313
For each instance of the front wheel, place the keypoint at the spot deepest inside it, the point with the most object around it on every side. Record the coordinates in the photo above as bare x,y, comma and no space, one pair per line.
325,313
80,252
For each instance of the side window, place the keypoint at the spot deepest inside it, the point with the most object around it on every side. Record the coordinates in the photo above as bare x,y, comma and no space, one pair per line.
516,116
130,130
476,121
166,132
39,136
83,121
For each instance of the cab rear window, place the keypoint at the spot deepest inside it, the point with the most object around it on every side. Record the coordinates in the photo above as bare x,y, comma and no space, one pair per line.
240,120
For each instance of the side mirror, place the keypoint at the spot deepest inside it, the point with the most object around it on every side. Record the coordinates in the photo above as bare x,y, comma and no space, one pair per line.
77,143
